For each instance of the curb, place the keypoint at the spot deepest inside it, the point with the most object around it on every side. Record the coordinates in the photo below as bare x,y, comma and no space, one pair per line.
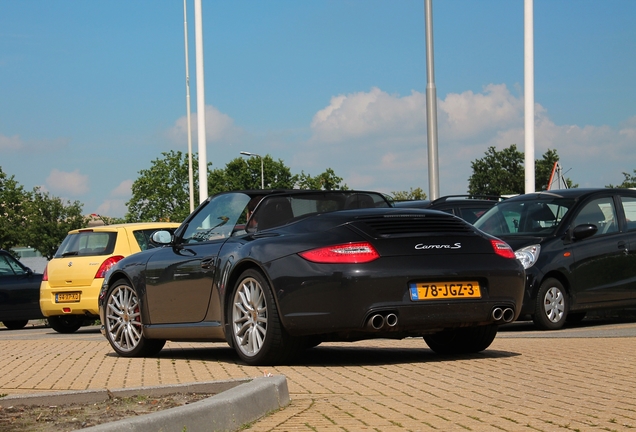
236,403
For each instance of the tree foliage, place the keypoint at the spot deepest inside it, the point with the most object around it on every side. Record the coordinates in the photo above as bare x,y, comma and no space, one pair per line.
49,220
629,181
327,180
245,174
35,218
161,193
412,194
12,211
503,173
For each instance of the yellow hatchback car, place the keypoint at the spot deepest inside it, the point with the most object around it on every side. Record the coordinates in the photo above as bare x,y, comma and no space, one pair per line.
73,278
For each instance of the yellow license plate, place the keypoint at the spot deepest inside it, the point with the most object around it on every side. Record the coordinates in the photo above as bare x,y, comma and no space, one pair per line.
444,290
67,297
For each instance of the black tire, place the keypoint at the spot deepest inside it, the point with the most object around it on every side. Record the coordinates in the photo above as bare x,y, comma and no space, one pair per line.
551,309
15,325
123,326
257,334
464,340
66,323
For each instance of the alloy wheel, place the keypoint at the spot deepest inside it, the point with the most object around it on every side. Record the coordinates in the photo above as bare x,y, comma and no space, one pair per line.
123,319
249,317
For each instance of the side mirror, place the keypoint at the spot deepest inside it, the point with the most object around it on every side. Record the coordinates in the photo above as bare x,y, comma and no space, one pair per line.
584,231
161,237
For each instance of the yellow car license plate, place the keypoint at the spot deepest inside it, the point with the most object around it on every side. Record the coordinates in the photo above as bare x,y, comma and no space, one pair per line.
444,290
67,297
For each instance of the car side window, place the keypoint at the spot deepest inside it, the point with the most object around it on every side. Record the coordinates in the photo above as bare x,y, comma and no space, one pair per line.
629,208
216,220
599,212
8,267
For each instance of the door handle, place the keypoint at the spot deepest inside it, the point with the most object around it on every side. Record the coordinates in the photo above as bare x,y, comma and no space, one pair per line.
623,245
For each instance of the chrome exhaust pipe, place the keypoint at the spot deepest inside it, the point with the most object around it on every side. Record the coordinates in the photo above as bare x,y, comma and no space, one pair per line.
497,313
377,321
391,320
508,315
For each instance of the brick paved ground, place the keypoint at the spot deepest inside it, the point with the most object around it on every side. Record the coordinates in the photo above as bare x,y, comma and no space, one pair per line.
519,384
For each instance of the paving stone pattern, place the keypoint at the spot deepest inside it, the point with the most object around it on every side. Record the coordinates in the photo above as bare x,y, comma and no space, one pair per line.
519,384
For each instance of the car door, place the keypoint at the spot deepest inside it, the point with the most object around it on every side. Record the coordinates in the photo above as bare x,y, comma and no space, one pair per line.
180,277
600,266
627,203
19,290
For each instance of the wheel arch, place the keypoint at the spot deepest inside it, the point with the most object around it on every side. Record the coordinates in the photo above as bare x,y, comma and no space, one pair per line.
233,277
554,274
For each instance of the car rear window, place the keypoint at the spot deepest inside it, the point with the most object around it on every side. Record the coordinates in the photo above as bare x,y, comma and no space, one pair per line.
87,243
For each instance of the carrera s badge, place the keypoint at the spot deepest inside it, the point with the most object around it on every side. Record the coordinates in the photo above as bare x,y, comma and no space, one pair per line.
421,246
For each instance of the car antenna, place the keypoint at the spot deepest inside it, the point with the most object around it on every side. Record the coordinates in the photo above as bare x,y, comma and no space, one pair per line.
95,215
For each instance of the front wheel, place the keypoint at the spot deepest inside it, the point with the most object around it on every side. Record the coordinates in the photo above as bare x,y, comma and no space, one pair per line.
552,305
66,323
257,333
464,340
123,325
15,325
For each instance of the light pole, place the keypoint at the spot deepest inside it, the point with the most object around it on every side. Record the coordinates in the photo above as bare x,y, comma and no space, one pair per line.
262,172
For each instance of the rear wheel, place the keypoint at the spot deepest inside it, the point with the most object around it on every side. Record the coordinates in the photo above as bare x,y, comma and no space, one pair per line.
15,325
123,325
66,323
552,305
464,340
257,333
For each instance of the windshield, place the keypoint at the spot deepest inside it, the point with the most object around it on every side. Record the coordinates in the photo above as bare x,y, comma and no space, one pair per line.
533,217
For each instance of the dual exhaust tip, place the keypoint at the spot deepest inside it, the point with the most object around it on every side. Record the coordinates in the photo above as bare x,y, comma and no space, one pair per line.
505,315
379,321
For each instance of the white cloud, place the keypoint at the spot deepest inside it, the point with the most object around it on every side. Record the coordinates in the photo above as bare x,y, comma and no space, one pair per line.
362,114
112,208
377,140
123,190
10,143
218,127
72,183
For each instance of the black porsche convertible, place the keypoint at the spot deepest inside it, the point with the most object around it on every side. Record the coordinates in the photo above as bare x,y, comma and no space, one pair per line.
276,272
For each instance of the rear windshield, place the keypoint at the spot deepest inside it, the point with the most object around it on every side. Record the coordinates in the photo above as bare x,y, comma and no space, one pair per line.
87,243
534,217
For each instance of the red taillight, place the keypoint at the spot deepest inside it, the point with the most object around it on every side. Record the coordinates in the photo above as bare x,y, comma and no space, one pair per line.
502,249
45,276
106,265
350,253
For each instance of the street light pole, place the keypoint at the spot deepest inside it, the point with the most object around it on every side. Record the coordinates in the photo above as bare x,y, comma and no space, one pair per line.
262,170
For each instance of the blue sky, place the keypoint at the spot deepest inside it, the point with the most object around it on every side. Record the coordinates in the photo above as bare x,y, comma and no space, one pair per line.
92,92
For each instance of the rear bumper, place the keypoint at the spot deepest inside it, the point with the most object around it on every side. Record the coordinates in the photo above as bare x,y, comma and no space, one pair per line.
86,306
342,301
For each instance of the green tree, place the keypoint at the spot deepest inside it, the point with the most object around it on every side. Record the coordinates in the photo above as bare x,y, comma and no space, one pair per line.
242,174
503,173
629,181
327,180
543,170
12,212
411,194
49,221
498,173
161,193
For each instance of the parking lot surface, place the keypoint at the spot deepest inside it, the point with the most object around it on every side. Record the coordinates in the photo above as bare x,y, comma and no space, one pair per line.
578,379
